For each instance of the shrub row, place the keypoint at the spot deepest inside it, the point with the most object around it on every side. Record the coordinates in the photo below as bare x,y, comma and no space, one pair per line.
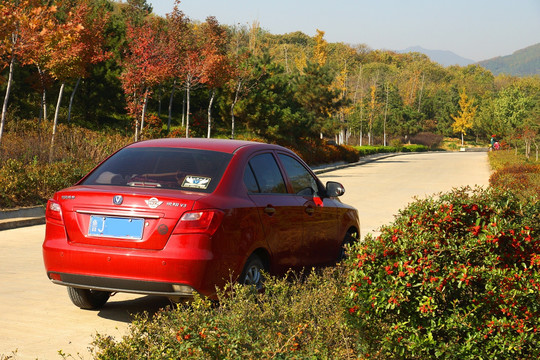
515,172
32,184
370,150
296,318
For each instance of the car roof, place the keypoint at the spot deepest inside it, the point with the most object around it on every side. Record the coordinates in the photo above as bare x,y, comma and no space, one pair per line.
221,145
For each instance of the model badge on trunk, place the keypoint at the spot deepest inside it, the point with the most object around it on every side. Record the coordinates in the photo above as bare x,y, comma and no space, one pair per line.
153,203
118,199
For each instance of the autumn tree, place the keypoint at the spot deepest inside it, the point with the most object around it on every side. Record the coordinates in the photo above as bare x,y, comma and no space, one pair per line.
23,24
76,43
216,67
205,61
243,46
146,64
464,120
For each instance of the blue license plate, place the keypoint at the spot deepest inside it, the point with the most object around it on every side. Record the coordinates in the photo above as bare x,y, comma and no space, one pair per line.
116,227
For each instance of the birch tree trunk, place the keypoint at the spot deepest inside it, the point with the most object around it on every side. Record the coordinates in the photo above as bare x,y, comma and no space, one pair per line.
421,91
170,107
6,97
143,113
136,118
71,99
43,107
210,113
236,95
55,123
385,115
188,88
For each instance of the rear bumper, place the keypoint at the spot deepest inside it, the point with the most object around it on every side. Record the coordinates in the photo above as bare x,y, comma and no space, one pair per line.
122,285
186,262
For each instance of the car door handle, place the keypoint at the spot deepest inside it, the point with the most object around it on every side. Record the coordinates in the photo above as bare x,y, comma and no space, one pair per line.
310,210
269,210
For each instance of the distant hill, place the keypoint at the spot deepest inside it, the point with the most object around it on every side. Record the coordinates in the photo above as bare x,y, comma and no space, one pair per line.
521,63
443,57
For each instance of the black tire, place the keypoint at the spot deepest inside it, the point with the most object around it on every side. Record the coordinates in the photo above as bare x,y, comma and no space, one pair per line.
252,273
350,238
88,299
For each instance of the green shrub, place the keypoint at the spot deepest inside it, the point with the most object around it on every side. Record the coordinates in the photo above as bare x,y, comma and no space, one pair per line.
32,184
456,277
414,148
293,319
18,185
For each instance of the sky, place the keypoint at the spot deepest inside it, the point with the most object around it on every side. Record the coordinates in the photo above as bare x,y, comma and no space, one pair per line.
473,29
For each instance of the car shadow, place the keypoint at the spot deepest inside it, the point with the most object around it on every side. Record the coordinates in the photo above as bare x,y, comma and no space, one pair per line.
124,310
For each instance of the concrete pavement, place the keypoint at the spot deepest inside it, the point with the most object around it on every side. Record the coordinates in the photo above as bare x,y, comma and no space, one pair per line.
380,189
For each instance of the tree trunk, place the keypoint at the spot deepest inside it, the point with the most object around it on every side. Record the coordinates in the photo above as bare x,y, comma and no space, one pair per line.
184,109
43,107
236,95
385,115
136,118
421,91
159,101
145,104
55,123
170,107
6,97
210,112
188,86
71,99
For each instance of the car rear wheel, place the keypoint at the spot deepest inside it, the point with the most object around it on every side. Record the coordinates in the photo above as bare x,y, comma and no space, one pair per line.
88,299
350,239
252,273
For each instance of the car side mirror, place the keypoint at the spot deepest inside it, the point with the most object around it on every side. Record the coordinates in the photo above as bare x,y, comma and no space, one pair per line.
334,189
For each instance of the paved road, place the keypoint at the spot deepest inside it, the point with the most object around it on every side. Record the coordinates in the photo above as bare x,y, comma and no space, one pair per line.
379,189
37,318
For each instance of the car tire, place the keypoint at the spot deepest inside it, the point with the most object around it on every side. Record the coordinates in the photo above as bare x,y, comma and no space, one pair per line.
350,238
252,273
88,299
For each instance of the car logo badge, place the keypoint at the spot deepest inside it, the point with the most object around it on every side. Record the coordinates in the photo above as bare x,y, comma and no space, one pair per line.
153,203
118,199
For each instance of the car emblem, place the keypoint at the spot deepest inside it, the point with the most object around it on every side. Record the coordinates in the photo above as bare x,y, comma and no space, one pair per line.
118,199
153,203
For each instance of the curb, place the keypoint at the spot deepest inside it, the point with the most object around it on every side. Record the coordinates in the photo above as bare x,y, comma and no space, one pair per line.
15,218
363,160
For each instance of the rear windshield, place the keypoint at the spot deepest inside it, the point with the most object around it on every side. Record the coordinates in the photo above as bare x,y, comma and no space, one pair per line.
166,168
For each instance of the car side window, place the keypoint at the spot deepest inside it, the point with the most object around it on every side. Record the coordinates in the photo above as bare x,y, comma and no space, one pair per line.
302,181
250,181
267,175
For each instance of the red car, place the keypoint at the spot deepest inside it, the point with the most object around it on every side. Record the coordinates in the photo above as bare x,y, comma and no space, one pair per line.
176,216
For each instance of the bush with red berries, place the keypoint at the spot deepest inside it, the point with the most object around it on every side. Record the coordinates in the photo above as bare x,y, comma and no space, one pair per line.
455,276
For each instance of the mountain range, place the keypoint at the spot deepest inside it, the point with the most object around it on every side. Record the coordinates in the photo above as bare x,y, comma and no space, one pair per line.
521,63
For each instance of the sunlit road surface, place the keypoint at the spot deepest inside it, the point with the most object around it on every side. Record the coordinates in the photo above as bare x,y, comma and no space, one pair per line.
380,189
37,319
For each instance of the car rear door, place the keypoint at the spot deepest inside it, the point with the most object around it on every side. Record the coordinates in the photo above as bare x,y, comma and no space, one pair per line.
280,213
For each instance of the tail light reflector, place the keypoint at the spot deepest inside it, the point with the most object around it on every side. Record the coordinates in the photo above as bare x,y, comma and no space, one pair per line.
199,222
53,210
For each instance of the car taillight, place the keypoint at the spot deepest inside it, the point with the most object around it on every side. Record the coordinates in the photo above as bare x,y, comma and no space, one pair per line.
199,222
53,211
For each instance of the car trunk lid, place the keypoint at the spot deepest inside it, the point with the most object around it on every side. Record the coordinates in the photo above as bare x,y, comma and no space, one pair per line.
122,217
